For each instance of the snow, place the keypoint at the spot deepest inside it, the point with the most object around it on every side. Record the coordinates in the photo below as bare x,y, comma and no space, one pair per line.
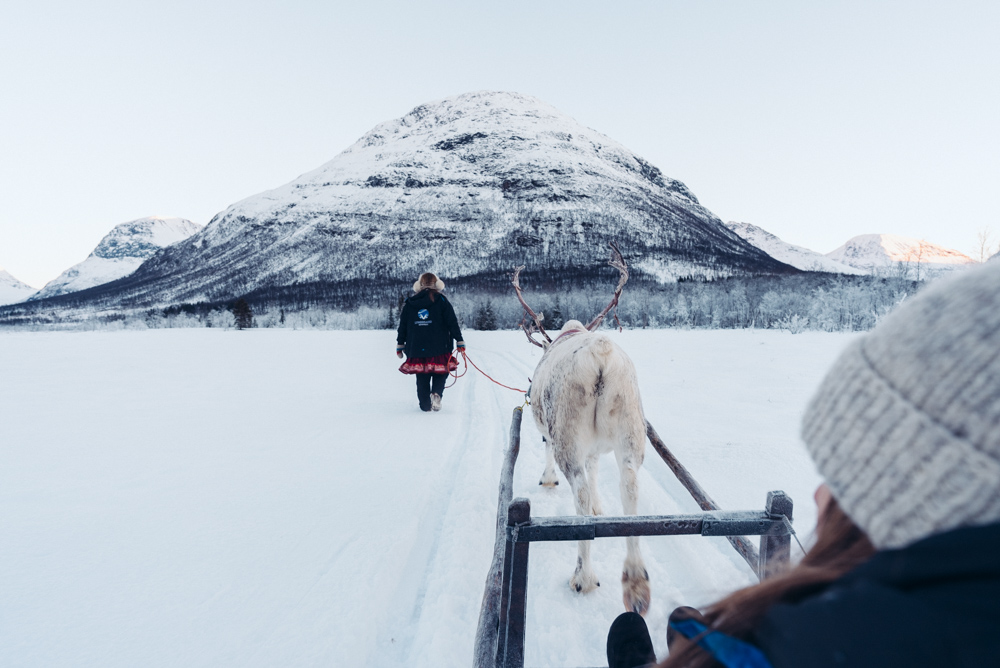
206,497
166,230
120,253
92,271
797,256
873,253
12,290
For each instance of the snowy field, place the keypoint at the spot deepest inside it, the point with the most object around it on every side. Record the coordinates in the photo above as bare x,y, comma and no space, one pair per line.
275,497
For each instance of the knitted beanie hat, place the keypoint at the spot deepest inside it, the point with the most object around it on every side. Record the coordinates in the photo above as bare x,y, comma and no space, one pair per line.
428,280
906,425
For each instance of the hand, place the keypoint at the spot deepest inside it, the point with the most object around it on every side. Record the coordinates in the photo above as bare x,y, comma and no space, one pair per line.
399,354
460,348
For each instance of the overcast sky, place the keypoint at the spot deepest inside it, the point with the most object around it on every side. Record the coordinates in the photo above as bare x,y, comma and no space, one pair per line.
817,121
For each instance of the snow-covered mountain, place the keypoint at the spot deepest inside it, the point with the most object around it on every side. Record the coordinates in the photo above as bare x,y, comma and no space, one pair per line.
796,256
13,290
879,253
469,186
120,253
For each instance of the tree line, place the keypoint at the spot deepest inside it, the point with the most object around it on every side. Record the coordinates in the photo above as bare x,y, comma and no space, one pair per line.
799,302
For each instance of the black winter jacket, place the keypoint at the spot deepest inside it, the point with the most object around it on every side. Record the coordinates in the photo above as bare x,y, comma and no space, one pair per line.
933,603
426,327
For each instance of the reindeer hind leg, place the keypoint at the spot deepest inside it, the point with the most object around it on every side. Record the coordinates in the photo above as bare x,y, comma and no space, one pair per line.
593,463
635,579
549,477
584,579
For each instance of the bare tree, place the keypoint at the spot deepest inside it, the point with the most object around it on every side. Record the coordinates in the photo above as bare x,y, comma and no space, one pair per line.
922,248
986,245
918,254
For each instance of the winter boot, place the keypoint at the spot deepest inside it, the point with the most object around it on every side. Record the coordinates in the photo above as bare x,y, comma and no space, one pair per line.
435,402
629,644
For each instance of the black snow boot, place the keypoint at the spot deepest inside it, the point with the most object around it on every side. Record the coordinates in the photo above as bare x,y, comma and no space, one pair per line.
629,645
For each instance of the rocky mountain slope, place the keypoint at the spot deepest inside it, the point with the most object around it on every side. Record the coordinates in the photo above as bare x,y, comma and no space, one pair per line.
13,290
120,253
880,253
468,187
796,256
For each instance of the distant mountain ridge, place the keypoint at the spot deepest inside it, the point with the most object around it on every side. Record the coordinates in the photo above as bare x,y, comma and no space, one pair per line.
12,290
120,253
796,256
873,253
467,187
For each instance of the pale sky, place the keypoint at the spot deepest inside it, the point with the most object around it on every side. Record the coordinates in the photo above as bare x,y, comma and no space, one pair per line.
816,121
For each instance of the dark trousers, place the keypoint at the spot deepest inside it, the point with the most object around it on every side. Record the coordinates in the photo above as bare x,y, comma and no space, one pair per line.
428,383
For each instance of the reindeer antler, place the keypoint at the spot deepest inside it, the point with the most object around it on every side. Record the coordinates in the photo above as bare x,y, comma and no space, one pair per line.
529,331
618,262
536,318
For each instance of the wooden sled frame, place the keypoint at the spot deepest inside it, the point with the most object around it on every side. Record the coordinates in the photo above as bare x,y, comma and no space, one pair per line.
500,634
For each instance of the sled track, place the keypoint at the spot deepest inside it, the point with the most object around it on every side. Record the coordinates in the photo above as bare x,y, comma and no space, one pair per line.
413,590
477,446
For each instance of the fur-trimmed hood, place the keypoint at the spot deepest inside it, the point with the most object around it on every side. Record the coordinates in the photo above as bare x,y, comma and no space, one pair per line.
428,280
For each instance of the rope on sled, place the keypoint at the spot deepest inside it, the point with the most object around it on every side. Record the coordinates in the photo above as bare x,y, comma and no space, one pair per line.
788,525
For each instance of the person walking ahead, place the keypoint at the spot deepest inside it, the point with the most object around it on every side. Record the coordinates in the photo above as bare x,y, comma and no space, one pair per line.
427,328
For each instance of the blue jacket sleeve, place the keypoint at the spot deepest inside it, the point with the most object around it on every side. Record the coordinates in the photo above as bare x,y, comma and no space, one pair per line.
729,651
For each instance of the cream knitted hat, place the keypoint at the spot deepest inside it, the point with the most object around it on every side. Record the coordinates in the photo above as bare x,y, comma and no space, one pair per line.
906,425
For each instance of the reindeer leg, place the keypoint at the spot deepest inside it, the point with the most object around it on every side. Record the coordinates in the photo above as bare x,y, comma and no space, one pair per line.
549,477
595,496
635,579
584,579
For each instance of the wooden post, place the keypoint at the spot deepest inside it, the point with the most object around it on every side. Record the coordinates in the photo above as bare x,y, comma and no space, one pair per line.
513,606
490,611
775,550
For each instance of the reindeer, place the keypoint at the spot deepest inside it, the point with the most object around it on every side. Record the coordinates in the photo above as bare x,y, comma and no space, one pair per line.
585,401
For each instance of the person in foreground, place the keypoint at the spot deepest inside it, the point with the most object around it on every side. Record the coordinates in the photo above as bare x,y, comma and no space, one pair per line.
905,570
427,329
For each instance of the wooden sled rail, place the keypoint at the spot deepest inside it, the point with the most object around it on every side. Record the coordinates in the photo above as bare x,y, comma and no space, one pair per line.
575,527
489,611
743,546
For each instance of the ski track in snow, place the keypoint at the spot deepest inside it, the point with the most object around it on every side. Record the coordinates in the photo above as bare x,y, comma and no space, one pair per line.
222,498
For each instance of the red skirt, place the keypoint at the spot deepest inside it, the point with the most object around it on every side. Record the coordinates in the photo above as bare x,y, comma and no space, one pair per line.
439,364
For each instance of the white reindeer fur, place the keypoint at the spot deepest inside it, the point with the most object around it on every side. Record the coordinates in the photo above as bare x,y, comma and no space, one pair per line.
585,401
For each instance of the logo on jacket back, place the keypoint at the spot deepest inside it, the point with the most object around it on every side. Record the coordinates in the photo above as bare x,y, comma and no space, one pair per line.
423,314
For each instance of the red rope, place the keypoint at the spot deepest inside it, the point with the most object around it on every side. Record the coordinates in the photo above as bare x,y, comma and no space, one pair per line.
469,361
455,374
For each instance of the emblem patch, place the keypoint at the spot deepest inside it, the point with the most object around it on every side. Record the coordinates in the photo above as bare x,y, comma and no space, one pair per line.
423,314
